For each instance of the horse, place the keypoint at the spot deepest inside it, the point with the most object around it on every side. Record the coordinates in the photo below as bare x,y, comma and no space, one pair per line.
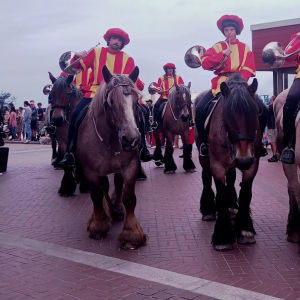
234,143
291,171
175,121
108,140
65,97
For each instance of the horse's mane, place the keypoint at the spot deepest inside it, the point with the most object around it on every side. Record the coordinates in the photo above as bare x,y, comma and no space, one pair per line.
101,95
61,84
239,101
182,89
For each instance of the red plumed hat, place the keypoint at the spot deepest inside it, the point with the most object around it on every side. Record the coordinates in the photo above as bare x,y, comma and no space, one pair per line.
117,32
169,65
236,19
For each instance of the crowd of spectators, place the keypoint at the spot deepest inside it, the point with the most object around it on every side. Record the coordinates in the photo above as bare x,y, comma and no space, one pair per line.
23,123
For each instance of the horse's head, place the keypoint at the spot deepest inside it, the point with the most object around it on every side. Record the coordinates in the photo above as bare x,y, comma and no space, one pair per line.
121,105
63,94
240,116
181,96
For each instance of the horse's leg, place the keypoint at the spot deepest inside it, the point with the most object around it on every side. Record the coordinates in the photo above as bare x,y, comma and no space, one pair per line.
170,166
188,164
118,210
293,222
141,173
223,238
158,157
100,221
84,186
207,200
68,183
232,196
132,235
243,222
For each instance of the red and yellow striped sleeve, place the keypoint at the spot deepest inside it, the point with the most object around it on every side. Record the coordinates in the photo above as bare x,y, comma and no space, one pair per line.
179,80
213,56
293,47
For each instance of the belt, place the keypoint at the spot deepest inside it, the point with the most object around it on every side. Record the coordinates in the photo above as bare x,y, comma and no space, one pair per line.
227,74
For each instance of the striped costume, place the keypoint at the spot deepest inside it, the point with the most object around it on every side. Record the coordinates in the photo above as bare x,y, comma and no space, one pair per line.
295,46
117,63
165,84
241,60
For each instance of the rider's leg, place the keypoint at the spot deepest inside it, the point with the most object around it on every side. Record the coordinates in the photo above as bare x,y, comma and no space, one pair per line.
69,159
292,100
145,155
156,112
200,120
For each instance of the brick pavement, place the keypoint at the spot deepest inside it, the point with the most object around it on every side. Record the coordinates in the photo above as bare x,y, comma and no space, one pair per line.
168,209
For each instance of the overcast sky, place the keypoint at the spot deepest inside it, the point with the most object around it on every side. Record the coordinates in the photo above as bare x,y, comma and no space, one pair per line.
35,33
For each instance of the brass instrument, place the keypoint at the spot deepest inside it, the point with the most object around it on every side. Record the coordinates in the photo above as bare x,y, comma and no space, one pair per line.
274,56
47,89
153,88
192,56
65,62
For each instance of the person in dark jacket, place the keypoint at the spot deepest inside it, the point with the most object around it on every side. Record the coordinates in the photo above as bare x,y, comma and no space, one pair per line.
271,131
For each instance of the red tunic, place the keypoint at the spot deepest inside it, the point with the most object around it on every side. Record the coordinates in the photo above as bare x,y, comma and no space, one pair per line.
295,46
116,62
165,84
241,60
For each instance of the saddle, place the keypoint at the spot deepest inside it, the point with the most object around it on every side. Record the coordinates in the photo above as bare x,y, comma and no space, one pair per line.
209,109
81,116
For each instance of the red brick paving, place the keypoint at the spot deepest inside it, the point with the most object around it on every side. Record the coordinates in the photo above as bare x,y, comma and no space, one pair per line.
168,209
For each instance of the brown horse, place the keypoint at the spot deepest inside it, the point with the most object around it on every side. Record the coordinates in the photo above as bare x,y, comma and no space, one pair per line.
290,171
65,97
234,142
175,121
108,144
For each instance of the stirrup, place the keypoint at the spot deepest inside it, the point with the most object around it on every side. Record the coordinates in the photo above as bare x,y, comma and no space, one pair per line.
204,150
68,161
288,156
154,125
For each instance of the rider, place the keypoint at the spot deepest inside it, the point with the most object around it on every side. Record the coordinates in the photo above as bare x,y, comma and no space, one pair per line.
165,82
240,59
117,62
289,108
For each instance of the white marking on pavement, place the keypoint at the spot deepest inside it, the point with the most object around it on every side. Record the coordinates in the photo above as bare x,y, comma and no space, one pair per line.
184,282
28,151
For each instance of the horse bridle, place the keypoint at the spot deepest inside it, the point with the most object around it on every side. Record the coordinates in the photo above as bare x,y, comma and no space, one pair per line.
179,107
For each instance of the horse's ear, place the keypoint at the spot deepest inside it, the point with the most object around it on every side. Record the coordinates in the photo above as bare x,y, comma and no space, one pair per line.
176,85
189,85
225,90
52,78
70,79
106,74
252,88
134,74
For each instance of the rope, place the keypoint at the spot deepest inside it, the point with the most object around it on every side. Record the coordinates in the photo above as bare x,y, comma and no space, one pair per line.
99,136
173,112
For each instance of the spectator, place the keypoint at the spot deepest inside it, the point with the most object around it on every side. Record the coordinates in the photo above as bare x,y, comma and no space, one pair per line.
271,131
13,122
40,117
27,121
34,113
20,123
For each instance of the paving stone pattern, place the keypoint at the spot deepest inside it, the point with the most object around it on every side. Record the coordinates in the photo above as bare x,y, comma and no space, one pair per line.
168,209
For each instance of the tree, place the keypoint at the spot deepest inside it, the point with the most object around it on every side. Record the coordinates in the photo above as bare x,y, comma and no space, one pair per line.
6,98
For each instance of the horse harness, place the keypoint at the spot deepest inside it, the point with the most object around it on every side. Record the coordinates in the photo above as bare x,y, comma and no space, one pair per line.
176,102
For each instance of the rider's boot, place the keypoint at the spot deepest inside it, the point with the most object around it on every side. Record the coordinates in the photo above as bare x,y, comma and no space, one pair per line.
288,153
154,124
68,161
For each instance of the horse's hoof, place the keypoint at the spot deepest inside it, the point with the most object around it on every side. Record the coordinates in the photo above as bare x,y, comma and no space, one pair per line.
232,212
141,179
292,239
247,238
169,171
98,235
210,217
159,163
118,217
58,168
190,170
128,246
224,247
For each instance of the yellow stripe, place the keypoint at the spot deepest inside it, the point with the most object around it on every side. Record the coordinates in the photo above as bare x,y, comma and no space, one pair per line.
170,80
234,57
218,47
78,80
125,59
245,57
250,70
218,90
110,62
96,64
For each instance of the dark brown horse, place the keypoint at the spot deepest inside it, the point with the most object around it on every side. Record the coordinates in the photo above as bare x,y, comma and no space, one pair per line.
108,144
234,142
175,121
291,171
65,97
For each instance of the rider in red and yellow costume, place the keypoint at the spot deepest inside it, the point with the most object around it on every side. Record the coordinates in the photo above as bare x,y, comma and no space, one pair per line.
165,82
290,106
117,62
239,59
